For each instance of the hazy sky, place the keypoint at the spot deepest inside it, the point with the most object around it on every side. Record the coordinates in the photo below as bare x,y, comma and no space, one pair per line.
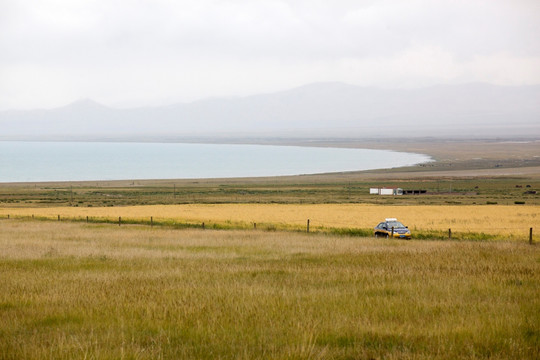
129,53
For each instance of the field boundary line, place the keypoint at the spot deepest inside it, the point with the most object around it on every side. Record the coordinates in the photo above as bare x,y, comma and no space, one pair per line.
419,234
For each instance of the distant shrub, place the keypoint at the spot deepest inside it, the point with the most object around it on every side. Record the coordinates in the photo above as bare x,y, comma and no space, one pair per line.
519,202
491,202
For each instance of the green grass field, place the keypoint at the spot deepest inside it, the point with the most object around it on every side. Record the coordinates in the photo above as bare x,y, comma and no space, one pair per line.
331,189
71,290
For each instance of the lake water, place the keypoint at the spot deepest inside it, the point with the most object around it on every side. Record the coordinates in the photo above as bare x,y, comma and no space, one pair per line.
74,161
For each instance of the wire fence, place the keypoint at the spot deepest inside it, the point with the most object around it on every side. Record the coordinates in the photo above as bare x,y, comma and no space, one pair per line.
298,225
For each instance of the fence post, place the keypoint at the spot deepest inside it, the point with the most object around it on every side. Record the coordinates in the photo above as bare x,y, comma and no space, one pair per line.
530,236
307,225
151,221
203,225
392,232
255,226
119,220
8,216
58,217
32,216
87,218
449,234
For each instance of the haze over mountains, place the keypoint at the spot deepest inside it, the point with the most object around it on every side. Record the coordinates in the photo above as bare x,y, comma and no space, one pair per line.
316,110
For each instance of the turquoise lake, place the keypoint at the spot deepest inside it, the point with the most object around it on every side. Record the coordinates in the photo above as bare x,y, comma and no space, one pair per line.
22,161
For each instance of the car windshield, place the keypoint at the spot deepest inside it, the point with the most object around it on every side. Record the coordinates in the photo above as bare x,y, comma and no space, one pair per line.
395,224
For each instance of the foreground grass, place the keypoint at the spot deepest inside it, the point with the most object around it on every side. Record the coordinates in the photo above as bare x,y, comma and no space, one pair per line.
98,291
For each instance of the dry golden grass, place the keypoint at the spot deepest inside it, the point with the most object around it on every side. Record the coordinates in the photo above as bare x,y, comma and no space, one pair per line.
71,290
506,220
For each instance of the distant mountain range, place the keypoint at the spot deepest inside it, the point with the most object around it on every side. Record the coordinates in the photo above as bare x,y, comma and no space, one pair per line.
321,109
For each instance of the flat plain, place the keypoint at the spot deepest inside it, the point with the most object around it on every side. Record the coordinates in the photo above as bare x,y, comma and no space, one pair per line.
71,289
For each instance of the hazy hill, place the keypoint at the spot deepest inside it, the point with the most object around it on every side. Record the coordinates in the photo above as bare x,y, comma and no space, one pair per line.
313,110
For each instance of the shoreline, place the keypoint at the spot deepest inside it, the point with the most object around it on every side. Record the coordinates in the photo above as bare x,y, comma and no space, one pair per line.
450,158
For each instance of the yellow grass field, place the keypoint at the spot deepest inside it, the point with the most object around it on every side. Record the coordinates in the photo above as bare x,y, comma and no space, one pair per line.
88,291
511,220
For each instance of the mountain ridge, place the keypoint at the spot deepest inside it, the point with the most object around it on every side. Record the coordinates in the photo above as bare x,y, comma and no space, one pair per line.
312,108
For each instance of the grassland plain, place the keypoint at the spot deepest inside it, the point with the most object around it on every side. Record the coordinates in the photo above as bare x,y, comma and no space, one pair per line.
443,188
72,290
468,222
